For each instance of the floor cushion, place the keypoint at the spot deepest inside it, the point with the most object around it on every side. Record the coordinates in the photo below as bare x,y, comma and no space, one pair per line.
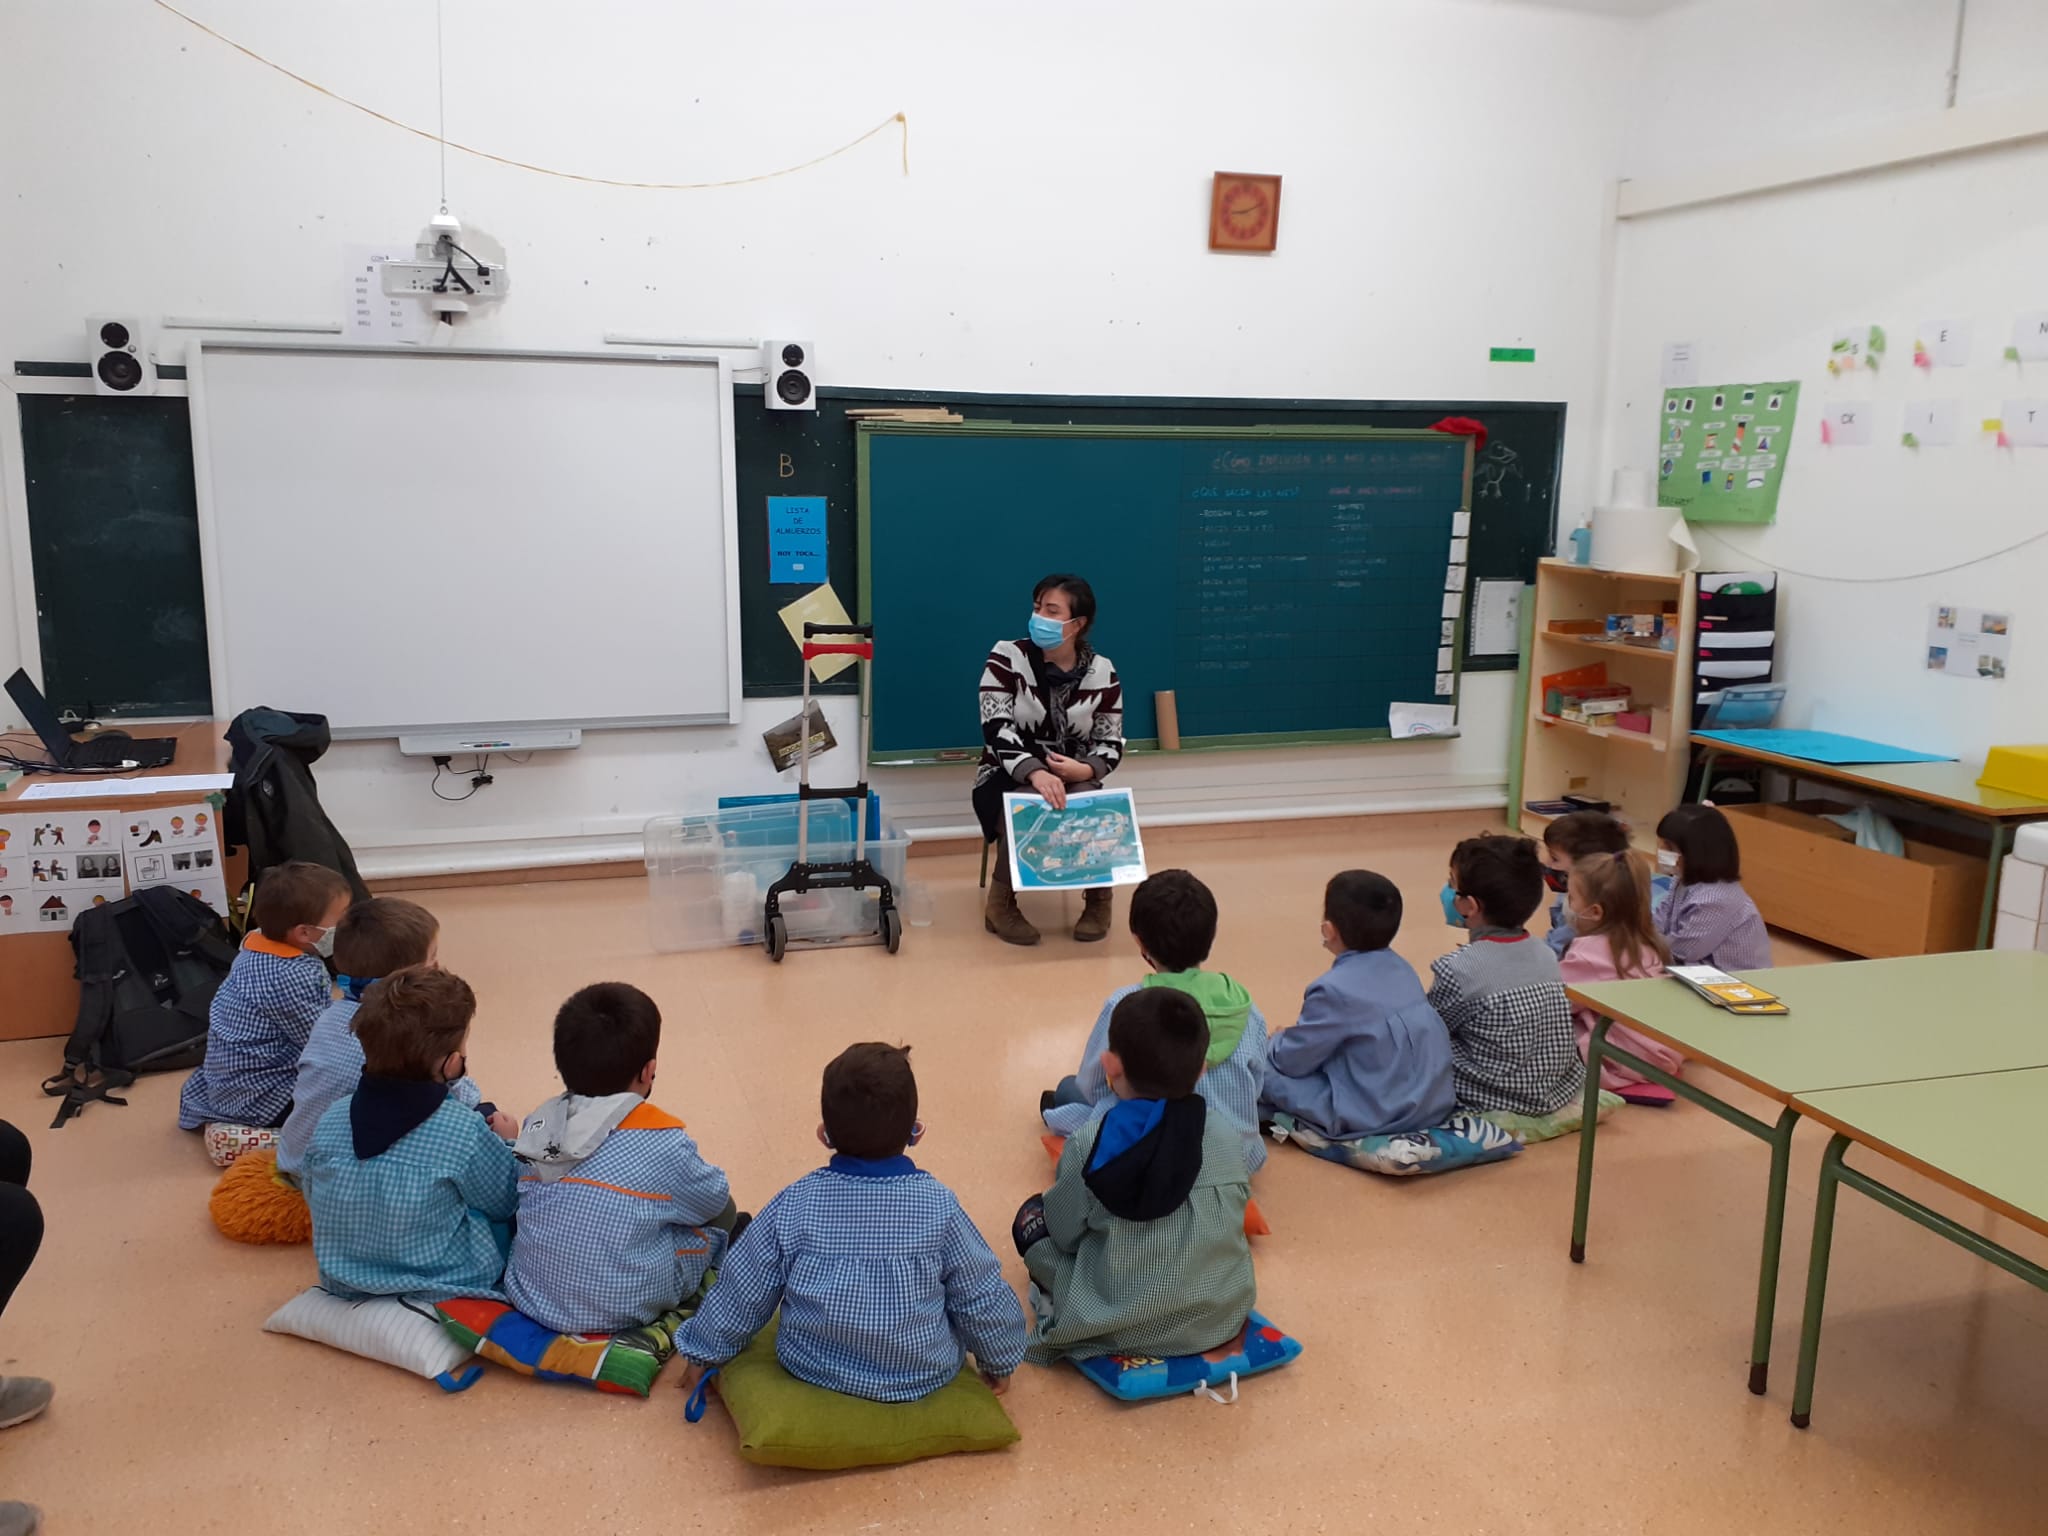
225,1142
623,1362
254,1203
1462,1141
1564,1122
1255,1224
784,1422
385,1328
1259,1346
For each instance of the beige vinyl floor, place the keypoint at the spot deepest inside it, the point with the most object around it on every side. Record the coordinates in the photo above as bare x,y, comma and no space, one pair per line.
1459,1373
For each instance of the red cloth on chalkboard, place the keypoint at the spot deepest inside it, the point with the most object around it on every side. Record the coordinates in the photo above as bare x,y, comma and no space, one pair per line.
1463,426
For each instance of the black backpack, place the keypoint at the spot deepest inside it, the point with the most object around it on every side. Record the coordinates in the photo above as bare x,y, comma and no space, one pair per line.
148,967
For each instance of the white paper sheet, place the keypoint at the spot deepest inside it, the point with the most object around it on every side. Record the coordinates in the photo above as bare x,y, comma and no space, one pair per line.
96,788
53,866
1930,424
1461,524
368,313
2026,423
1942,344
2030,336
176,845
1422,719
1496,619
1847,423
1681,364
1968,642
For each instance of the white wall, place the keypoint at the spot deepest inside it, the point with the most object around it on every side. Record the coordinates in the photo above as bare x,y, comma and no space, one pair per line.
1761,283
1447,165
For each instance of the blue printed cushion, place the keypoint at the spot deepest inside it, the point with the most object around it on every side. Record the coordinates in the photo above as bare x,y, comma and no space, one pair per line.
1258,1347
1460,1142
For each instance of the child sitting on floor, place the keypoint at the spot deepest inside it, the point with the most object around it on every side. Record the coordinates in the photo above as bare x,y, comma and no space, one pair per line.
1173,919
410,1190
1368,1056
884,1283
1499,996
1609,906
1139,1246
258,1021
373,939
620,1217
1574,836
1708,918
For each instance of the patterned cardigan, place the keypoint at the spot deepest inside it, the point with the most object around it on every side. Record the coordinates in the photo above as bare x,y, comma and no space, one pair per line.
1025,715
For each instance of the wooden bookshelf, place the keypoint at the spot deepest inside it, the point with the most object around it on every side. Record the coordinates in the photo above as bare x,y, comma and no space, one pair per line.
1641,774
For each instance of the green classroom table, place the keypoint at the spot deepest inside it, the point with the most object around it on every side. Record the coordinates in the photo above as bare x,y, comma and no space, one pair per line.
1948,786
1977,1135
1852,1024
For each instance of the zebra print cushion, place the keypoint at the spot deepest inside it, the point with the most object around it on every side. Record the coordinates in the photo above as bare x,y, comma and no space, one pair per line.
1460,1142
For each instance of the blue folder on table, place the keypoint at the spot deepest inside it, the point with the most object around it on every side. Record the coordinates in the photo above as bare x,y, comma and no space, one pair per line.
1822,747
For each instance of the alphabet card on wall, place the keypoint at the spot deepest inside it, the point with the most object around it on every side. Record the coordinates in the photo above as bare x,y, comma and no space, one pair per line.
176,845
54,867
1942,344
1857,347
2025,424
1847,423
1721,450
2029,338
1930,424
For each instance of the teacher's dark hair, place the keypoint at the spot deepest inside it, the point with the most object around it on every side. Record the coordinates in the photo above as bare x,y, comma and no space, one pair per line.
1080,597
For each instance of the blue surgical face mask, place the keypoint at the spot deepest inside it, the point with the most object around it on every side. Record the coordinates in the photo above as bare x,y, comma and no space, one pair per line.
1450,900
1046,633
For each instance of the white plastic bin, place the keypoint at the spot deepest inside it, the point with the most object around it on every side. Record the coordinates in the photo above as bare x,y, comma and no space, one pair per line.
707,876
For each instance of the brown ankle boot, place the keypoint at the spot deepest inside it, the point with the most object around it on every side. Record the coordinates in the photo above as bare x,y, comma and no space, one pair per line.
1096,907
1001,916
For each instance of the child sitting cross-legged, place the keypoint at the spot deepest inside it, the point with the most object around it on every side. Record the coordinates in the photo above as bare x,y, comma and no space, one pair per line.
373,939
1173,919
1708,918
620,1216
1608,907
1499,995
411,1192
258,1021
1139,1246
1368,1056
885,1284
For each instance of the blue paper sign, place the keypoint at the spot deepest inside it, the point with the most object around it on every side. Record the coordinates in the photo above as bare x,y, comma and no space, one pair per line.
796,540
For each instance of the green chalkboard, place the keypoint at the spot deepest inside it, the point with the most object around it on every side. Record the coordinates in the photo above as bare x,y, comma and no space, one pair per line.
1287,583
812,453
114,545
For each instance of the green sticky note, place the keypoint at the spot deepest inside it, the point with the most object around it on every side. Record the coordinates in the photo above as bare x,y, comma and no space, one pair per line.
1909,440
1512,355
2012,354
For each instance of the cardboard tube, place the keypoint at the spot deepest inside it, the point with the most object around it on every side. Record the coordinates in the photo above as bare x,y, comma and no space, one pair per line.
1169,720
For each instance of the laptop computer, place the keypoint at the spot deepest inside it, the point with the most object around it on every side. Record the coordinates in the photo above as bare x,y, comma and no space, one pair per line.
109,749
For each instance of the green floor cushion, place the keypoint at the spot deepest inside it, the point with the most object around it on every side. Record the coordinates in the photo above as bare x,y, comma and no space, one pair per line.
784,1422
385,1328
1258,1346
1460,1142
623,1362
1563,1122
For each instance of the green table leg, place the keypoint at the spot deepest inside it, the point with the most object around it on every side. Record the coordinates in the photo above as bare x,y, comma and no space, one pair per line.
1589,1121
1707,756
2001,839
1774,1237
1817,1279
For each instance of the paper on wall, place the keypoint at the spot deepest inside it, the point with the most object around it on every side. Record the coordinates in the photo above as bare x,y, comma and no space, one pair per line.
1847,423
1968,642
1406,720
2026,423
1942,344
99,788
178,846
1496,619
1930,424
1681,364
52,867
369,314
820,605
2030,337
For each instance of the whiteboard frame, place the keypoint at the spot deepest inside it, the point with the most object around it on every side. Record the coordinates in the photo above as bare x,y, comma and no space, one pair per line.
218,659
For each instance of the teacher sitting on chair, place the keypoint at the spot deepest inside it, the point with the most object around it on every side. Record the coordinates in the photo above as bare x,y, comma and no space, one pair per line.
1052,721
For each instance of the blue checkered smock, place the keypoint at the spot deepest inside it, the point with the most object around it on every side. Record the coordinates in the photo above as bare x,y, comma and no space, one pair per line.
883,1282
255,1029
329,1069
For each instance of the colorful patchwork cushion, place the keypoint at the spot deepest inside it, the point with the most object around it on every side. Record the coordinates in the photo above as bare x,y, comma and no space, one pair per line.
624,1362
1259,1346
1255,1223
225,1143
384,1328
784,1422
254,1203
1460,1142
1534,1128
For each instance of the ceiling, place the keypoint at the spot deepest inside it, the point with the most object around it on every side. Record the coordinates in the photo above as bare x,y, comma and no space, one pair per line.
1612,7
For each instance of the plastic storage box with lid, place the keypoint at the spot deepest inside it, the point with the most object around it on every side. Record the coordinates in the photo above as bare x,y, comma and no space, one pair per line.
707,876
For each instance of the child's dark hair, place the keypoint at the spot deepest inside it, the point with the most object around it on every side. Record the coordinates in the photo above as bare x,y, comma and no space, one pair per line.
1502,874
869,1100
412,1020
1363,907
382,935
604,1035
1580,834
292,895
1706,841
1080,598
1174,916
1162,1037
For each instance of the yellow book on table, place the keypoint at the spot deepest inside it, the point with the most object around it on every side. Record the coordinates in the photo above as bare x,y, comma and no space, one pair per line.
2017,771
1730,992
